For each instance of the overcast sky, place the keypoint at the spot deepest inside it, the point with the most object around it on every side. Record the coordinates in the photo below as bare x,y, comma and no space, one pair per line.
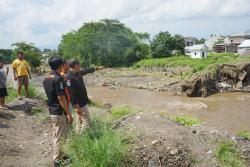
44,21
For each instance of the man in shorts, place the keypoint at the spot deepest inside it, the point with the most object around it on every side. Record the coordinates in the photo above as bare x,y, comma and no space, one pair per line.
21,73
3,89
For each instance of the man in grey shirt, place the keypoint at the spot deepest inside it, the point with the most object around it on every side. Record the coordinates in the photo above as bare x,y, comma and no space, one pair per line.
3,89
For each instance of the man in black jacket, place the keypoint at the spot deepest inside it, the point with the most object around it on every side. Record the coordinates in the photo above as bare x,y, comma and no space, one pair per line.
58,107
78,93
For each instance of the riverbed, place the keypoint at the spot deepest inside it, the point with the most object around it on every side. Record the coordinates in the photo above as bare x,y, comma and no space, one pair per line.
228,111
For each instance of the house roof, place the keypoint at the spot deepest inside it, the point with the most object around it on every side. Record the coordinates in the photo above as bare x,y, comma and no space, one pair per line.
242,34
245,44
196,47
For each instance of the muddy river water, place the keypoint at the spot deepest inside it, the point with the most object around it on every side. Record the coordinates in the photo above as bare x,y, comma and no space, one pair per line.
228,111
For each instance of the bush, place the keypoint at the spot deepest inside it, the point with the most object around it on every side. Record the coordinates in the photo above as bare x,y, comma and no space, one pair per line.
99,146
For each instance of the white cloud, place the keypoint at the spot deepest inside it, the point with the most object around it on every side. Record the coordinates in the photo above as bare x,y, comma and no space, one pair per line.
44,21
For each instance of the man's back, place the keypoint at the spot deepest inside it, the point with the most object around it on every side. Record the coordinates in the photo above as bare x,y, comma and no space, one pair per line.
77,89
54,87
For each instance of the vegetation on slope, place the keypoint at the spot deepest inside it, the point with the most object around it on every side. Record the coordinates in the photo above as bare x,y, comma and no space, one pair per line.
195,64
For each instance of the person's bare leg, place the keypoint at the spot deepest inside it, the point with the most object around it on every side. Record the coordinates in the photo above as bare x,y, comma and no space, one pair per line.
26,90
1,102
19,91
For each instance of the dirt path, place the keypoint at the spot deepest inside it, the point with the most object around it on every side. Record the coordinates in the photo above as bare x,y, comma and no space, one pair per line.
25,139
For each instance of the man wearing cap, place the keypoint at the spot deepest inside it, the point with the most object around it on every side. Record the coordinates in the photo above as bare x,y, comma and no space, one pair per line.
21,73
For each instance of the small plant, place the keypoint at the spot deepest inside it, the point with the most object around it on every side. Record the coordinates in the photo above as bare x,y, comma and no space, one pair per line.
37,111
98,146
95,103
186,120
228,155
244,134
121,111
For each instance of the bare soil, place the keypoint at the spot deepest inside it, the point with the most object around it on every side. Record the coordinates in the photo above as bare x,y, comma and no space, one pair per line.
161,142
25,139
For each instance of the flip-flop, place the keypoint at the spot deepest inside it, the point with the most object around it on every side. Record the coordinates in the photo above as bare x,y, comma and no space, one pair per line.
3,108
7,107
19,98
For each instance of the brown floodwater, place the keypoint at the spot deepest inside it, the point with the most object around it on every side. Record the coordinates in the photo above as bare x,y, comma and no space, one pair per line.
229,111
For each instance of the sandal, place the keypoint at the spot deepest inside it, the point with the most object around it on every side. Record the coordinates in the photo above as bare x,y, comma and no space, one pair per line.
19,98
3,108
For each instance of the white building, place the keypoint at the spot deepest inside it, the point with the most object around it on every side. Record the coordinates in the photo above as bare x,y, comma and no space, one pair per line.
197,51
244,48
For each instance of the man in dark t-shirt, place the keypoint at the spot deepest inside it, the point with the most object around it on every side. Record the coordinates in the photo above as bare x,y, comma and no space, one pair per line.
78,93
58,107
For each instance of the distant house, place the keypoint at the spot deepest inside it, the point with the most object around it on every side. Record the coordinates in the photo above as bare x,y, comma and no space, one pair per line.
213,40
233,41
244,48
219,48
190,41
237,38
197,51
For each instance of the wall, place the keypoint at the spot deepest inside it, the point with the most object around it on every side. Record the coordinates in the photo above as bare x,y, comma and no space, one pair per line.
235,40
198,54
244,51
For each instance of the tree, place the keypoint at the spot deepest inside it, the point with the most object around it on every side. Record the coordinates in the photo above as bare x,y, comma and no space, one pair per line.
143,37
200,41
32,54
6,55
107,42
163,44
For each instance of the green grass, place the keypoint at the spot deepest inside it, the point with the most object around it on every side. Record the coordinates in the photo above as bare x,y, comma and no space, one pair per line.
36,111
12,93
95,103
99,146
186,120
195,64
228,155
121,111
244,134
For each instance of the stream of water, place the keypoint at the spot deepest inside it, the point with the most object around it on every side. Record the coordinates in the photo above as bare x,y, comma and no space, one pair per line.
228,111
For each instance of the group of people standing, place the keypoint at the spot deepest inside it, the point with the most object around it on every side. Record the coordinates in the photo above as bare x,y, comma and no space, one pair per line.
65,89
21,72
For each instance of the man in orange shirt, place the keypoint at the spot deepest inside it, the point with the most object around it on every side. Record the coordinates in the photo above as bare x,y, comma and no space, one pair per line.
21,73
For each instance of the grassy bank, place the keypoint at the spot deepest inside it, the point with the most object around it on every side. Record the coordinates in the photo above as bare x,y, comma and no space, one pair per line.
228,155
99,146
194,64
12,93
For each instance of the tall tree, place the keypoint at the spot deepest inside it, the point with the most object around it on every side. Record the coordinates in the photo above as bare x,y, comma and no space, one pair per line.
107,42
163,44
